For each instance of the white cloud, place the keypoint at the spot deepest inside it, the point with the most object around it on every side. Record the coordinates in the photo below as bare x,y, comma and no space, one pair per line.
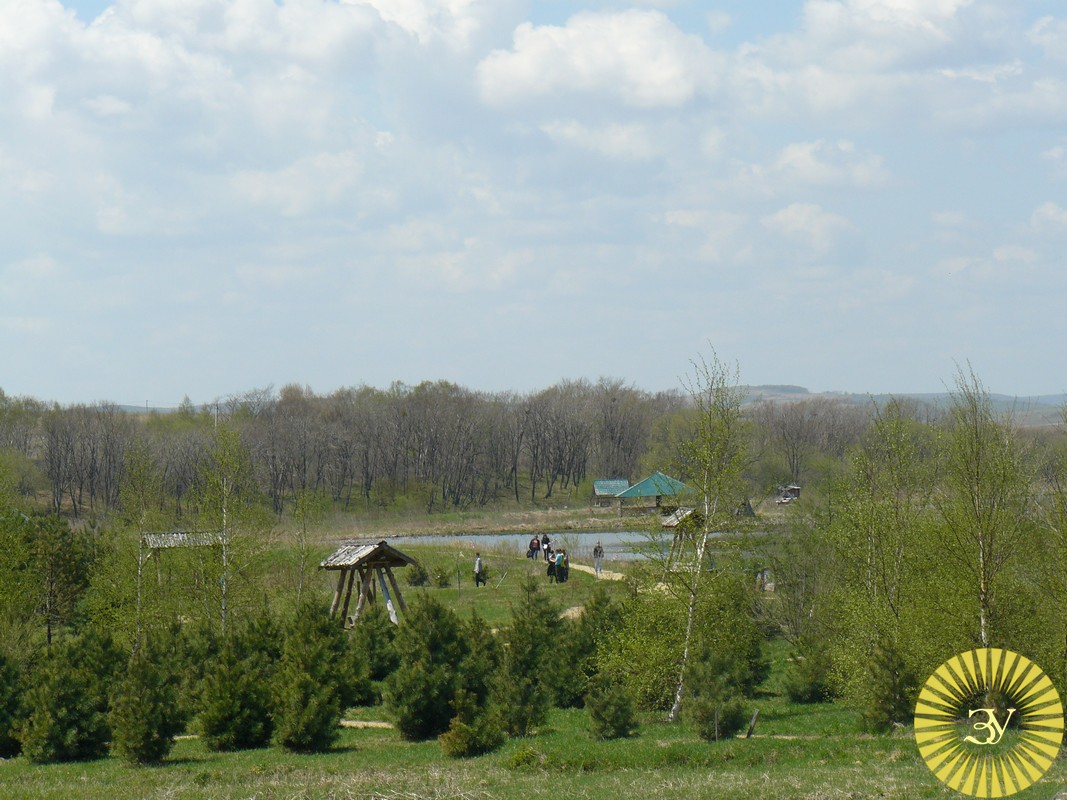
307,184
994,74
460,264
872,288
26,326
1057,157
1050,34
630,142
949,219
719,21
1015,253
107,105
275,275
1005,262
638,57
456,22
821,163
722,235
870,63
807,223
880,33
37,268
1049,215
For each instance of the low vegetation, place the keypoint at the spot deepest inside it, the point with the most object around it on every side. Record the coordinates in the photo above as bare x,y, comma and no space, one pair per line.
160,607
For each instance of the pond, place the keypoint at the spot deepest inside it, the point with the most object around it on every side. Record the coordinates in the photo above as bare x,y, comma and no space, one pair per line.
618,545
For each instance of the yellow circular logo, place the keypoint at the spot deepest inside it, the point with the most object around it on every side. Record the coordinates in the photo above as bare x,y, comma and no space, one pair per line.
988,723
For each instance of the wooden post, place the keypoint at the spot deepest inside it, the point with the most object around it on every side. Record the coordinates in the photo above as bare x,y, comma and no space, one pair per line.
752,724
396,589
363,590
348,593
388,600
337,594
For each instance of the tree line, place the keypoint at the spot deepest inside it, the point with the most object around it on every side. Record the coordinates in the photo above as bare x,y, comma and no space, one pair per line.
434,445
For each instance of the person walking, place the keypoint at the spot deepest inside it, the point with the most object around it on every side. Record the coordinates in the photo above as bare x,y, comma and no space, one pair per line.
598,559
479,571
560,577
546,545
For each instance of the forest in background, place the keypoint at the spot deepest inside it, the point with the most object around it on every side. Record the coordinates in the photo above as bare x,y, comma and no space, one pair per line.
424,448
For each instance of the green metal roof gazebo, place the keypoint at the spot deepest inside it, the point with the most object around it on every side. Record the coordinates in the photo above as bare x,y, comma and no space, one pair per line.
655,485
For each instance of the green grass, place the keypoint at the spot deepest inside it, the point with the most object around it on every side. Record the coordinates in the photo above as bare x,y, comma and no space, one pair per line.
507,571
798,752
562,761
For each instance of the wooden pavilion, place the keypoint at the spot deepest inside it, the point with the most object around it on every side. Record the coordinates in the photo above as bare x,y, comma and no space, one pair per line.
373,564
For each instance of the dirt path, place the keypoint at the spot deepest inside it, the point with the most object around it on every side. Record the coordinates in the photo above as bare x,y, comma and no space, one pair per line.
605,575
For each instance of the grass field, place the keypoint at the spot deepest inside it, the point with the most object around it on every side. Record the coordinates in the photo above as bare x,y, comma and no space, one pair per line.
798,752
810,753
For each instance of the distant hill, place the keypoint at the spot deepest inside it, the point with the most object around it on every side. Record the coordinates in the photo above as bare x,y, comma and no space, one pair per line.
1037,410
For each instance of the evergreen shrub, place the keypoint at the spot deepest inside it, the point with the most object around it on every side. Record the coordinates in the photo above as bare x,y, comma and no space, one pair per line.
145,715
235,697
610,708
420,692
308,687
67,700
715,703
474,730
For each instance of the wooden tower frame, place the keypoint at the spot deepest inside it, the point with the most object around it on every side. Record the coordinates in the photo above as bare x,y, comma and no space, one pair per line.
373,564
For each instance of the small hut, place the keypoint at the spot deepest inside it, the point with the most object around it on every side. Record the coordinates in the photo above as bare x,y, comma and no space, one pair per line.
656,486
373,564
606,491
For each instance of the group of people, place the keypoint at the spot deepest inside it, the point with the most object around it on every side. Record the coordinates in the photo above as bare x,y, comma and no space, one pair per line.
559,563
540,545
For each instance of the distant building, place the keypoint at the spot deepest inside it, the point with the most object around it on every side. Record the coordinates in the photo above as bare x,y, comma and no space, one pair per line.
658,486
606,491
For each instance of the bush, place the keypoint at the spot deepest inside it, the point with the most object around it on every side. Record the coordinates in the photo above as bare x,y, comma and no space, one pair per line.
573,653
442,577
522,691
417,575
145,715
374,636
235,698
807,678
611,709
892,689
308,686
480,665
195,650
474,730
357,688
67,702
431,649
10,707
715,704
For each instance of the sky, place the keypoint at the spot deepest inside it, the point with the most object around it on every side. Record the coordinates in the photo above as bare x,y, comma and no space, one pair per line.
203,197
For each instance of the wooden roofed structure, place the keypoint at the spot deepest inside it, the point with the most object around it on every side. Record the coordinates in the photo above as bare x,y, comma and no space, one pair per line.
606,491
373,563
172,539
